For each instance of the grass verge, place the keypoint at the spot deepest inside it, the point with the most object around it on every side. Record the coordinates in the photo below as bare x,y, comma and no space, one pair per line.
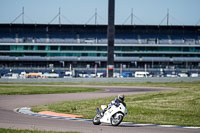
151,84
178,107
29,90
3,130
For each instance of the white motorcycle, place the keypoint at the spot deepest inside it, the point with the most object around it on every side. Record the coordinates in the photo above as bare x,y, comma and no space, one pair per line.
113,115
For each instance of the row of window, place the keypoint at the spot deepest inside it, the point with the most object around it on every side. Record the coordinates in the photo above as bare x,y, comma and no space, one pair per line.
98,48
97,55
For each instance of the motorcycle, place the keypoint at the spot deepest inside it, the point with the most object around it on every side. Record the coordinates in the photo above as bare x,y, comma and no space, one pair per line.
113,115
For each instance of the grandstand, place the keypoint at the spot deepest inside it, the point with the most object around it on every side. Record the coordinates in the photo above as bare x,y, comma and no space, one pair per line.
81,46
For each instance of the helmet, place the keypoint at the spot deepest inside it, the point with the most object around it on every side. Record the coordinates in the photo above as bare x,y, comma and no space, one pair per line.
121,97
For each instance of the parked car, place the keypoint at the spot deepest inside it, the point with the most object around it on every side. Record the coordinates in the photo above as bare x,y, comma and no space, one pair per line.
194,75
22,75
83,74
172,75
127,74
92,75
182,74
142,74
50,75
116,75
33,75
100,75
68,74
10,76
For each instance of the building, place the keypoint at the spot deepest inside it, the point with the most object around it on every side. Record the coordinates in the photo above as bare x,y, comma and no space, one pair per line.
85,46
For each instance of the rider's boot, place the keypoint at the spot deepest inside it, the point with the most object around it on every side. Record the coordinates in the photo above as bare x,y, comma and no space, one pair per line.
102,113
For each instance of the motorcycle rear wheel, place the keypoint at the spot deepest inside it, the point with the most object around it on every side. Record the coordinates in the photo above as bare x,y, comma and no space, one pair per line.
116,119
96,120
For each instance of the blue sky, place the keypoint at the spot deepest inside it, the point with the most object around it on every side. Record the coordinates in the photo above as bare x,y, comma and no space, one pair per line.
148,12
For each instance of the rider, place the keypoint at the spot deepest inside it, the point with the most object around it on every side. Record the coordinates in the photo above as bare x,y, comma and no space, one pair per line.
116,102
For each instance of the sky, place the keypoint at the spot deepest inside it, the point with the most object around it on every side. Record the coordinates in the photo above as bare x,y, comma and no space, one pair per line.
145,12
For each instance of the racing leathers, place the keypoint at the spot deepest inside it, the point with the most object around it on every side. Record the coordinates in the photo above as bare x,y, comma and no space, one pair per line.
115,102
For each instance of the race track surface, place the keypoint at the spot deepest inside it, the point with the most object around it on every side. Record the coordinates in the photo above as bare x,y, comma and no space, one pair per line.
10,119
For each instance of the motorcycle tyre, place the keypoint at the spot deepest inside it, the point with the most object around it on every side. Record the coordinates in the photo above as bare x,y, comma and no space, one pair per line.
121,118
95,121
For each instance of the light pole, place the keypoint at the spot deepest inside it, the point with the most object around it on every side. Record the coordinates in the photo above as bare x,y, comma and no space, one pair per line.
110,37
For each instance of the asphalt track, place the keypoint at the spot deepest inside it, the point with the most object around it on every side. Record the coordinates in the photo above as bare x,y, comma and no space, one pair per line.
10,119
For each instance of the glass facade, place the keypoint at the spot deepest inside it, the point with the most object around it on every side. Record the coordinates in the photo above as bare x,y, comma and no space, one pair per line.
121,51
87,44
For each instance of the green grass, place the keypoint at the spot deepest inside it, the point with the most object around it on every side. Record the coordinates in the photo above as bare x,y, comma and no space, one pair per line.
29,90
177,107
153,84
2,130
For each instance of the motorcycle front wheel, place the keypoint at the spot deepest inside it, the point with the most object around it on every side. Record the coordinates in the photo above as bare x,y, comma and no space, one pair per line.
116,119
96,120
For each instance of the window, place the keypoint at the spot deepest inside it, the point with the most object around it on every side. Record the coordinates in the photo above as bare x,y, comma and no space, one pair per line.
65,48
41,47
4,47
54,48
